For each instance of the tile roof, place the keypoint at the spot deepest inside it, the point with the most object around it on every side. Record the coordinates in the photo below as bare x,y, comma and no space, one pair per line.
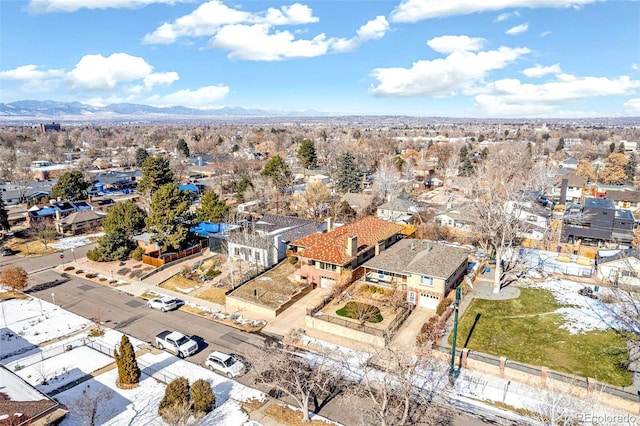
423,257
331,247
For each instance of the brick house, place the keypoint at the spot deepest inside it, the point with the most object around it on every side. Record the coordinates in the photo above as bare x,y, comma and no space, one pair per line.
326,257
427,270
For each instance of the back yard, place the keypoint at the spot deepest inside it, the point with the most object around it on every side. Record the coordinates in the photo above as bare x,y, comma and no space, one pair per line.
273,287
543,329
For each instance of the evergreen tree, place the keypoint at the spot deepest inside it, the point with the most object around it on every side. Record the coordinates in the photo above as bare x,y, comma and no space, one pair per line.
141,155
560,145
211,208
307,154
125,217
169,210
630,168
485,153
203,401
278,171
241,187
612,147
111,246
621,148
4,216
155,173
175,394
347,176
128,370
70,186
182,147
466,167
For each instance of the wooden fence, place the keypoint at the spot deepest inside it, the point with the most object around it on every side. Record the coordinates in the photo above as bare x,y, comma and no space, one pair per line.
157,259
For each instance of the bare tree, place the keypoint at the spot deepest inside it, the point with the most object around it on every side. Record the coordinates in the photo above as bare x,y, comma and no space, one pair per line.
315,197
92,407
303,379
43,230
497,194
362,312
386,180
400,388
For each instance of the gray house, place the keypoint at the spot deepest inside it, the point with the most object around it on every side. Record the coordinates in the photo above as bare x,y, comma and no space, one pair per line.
597,223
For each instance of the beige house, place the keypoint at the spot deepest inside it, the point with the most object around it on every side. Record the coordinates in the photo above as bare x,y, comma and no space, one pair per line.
78,222
427,270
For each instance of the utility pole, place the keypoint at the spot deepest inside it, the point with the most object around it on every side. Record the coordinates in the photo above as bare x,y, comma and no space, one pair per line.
452,367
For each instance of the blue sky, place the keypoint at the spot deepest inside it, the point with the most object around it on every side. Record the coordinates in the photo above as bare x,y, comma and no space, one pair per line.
459,58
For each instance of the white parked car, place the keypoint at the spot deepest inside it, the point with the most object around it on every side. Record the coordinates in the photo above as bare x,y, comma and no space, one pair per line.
224,364
163,304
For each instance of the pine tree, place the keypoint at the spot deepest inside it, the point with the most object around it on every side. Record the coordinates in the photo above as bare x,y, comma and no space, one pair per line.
169,208
307,154
203,401
4,216
621,148
211,208
612,147
155,173
70,186
141,155
128,370
560,145
182,147
630,168
125,217
347,176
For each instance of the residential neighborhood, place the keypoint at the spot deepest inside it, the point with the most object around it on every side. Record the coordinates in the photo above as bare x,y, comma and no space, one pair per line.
524,274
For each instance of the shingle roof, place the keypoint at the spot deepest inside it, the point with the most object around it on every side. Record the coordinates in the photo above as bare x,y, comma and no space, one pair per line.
81,216
331,247
421,257
616,195
574,181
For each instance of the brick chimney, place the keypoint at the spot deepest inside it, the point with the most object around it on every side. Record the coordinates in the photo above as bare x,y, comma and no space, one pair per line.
352,246
329,224
57,214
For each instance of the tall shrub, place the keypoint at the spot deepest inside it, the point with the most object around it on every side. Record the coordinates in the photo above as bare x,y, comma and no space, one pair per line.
128,370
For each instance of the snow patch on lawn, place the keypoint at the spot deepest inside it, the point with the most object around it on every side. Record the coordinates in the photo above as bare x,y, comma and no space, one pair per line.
582,314
73,242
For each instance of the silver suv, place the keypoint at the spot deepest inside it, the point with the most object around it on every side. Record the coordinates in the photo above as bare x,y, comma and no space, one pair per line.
224,364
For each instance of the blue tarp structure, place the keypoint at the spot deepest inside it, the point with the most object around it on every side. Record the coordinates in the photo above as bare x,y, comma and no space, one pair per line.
206,228
189,187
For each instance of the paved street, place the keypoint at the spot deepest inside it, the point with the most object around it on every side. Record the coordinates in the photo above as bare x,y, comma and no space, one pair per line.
130,315
37,263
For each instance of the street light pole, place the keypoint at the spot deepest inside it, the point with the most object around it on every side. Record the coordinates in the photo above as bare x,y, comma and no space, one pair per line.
452,367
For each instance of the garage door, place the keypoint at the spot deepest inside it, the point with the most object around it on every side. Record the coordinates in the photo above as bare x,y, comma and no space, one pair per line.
428,301
327,282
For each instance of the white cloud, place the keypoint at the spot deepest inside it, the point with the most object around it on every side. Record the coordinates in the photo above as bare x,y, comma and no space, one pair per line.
460,71
418,10
254,42
210,17
635,67
518,29
29,73
46,6
507,15
545,33
205,97
515,98
95,72
540,71
632,107
449,43
375,29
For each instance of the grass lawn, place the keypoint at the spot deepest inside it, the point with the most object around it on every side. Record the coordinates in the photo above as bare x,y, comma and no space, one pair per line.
291,417
358,310
11,294
527,330
215,295
180,284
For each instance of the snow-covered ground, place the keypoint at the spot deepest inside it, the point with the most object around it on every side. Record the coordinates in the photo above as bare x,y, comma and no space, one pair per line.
30,322
73,242
582,313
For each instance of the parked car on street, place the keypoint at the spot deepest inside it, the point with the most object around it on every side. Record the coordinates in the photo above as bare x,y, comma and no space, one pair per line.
5,251
225,364
163,304
176,342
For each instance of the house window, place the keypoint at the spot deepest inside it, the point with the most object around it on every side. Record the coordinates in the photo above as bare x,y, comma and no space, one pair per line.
426,280
327,266
411,297
236,251
257,256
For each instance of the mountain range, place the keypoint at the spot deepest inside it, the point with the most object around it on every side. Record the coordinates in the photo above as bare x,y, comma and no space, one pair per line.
52,110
